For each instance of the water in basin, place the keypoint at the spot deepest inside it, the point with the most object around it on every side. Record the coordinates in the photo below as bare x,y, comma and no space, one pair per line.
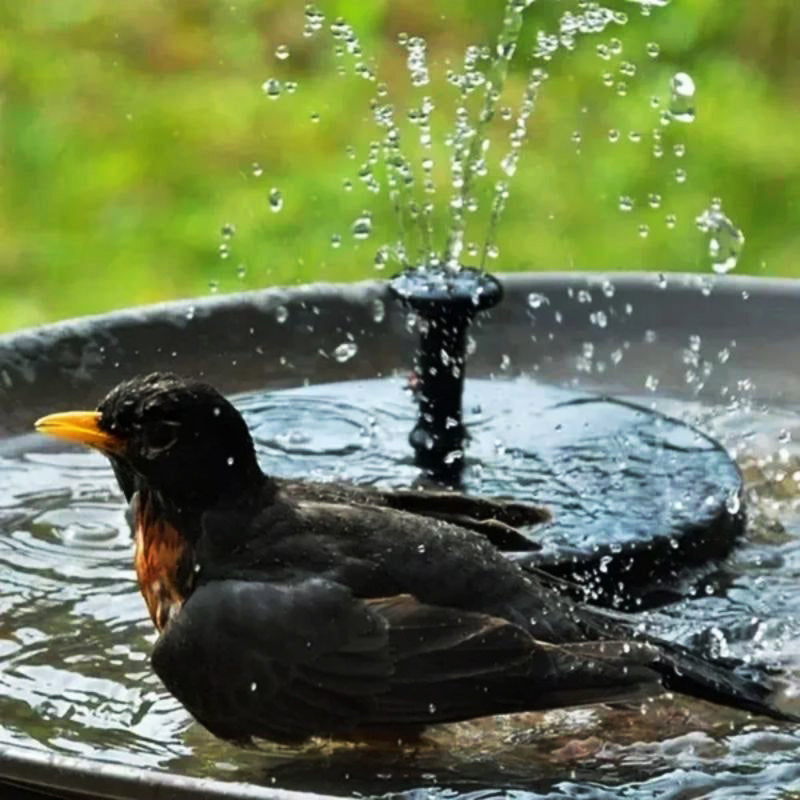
75,636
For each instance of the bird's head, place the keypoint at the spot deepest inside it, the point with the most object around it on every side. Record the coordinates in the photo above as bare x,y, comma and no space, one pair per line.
180,438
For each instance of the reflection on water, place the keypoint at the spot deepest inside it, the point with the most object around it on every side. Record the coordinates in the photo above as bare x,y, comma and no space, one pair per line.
75,637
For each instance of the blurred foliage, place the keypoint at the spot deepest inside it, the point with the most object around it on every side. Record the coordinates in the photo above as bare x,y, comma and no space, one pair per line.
130,132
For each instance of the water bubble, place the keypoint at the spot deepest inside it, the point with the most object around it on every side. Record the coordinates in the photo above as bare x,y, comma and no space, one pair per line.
607,288
275,200
679,149
362,227
271,88
644,230
282,52
670,220
654,200
725,239
213,286
189,313
634,136
345,351
314,116
651,383
347,185
680,175
681,105
613,136
256,170
224,250
378,310
653,49
241,271
281,314
336,240
228,230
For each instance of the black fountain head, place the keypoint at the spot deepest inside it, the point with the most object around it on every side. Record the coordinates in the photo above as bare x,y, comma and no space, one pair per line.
446,299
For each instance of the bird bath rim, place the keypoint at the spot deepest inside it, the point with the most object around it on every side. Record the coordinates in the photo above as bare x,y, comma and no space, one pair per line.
238,339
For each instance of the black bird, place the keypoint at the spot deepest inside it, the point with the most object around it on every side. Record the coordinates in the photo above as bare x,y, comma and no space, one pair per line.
291,610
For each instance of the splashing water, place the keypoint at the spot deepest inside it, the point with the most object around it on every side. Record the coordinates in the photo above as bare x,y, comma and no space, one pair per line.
402,163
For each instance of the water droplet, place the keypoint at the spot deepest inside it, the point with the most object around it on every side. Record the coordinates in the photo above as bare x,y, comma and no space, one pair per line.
281,314
282,52
607,288
733,502
670,221
213,286
536,300
644,230
336,240
651,383
275,199
378,310
654,200
271,88
256,169
725,239
314,116
625,203
224,250
613,136
421,548
653,49
431,708
680,175
362,227
681,105
228,230
345,351
381,257
679,149
229,461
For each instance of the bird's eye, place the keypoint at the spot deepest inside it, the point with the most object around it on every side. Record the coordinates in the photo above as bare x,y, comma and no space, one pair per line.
159,437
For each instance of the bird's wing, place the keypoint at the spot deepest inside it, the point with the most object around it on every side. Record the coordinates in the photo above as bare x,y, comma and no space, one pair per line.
290,661
496,518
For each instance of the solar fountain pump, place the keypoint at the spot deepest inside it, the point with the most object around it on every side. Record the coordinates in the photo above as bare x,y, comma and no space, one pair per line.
445,300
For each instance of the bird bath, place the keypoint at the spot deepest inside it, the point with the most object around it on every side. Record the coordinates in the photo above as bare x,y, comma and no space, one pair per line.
321,374
82,711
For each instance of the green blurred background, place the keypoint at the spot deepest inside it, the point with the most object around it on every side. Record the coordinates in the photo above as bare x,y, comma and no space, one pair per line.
131,132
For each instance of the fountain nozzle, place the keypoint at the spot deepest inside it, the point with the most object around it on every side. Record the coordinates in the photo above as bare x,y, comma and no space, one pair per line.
445,300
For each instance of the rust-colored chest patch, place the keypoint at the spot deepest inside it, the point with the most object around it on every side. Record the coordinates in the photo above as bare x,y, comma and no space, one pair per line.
158,548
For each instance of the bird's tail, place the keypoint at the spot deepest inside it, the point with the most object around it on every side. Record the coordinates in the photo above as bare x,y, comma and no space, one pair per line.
728,682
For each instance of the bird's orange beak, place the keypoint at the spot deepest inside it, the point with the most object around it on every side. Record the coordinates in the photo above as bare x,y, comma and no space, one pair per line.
81,427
